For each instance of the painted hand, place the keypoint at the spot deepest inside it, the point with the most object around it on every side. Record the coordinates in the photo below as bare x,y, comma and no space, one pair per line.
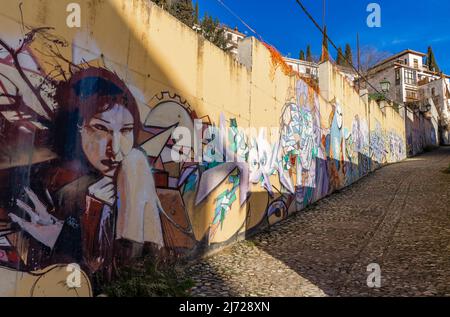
44,227
139,211
104,190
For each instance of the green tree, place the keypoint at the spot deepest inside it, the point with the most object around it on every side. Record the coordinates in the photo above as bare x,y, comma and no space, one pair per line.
431,61
161,3
213,32
348,55
183,11
340,57
196,16
302,55
308,53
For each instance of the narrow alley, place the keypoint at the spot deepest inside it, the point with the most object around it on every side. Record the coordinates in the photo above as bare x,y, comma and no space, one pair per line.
398,218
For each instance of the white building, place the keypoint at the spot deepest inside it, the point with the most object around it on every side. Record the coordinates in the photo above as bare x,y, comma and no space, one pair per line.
416,87
233,37
305,68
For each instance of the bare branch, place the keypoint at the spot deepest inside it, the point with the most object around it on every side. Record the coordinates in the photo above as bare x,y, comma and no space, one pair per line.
14,55
370,56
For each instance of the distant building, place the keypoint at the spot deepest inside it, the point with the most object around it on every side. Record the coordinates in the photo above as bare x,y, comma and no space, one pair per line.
233,37
305,68
405,71
348,72
416,87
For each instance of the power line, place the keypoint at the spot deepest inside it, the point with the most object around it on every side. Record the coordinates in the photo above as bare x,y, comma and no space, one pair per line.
239,18
331,42
400,105
345,58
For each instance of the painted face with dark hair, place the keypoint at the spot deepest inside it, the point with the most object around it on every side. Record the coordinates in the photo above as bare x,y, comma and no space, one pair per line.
107,138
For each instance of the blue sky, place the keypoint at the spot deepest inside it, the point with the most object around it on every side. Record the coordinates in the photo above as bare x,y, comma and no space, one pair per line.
404,24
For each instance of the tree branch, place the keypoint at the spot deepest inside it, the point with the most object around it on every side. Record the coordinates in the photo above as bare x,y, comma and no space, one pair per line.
14,56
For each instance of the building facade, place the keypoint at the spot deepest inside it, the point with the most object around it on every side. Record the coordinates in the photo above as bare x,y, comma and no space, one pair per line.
305,68
233,37
422,95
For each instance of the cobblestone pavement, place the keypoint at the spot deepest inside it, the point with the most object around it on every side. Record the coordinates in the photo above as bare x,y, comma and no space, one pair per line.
398,217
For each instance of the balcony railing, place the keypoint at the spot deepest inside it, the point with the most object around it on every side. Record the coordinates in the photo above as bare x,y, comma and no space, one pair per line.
412,99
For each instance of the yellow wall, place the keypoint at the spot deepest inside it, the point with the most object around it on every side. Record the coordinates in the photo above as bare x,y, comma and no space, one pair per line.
166,64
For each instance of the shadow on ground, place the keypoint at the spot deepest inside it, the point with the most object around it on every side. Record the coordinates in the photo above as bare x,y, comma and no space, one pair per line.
398,217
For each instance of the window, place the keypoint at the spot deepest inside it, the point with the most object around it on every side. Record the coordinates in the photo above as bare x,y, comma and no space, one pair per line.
410,77
433,91
230,37
411,94
416,63
397,76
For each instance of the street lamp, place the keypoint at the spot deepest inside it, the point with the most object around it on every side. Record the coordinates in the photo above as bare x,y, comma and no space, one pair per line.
385,85
381,96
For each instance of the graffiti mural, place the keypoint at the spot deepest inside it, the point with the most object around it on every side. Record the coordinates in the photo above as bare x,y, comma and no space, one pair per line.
397,149
94,174
421,133
356,150
79,205
335,147
300,145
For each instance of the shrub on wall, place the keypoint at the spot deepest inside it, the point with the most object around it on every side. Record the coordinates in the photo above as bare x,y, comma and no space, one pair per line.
209,27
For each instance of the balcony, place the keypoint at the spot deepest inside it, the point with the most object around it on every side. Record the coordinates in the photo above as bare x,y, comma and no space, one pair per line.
412,99
423,81
412,96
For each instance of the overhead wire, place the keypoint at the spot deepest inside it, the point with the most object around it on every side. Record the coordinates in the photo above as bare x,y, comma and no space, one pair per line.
316,24
239,18
308,14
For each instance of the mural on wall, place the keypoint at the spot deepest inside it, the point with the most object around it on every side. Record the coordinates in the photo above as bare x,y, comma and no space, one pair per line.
300,146
335,145
386,147
87,179
421,133
378,144
357,150
79,206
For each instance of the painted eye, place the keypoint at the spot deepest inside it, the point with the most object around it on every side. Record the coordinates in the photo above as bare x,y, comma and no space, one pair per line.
277,211
100,127
126,130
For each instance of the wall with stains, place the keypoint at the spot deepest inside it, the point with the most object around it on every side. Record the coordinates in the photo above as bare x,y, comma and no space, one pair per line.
422,131
134,135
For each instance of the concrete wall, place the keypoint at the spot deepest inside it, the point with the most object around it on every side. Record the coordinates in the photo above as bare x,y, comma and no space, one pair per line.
380,122
396,92
97,116
440,113
422,131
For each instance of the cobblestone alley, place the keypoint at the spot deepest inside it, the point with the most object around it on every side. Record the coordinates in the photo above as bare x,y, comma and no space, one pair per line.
398,217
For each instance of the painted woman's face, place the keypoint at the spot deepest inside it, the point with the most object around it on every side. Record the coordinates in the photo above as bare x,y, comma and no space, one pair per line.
108,138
